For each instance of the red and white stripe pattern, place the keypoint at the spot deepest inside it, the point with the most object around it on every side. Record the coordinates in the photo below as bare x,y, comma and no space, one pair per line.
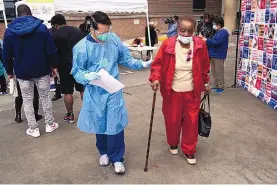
273,4
243,5
269,46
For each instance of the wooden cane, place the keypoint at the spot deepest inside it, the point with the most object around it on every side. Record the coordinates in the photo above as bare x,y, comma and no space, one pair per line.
150,131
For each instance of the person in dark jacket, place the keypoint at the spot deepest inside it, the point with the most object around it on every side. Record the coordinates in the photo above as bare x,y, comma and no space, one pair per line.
18,100
153,37
65,38
207,30
30,54
218,47
85,27
200,24
57,94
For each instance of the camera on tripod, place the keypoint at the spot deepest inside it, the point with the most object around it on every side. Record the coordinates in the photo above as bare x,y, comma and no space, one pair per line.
88,25
169,20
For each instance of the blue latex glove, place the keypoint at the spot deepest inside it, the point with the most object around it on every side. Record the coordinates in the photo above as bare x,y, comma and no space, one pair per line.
147,63
92,76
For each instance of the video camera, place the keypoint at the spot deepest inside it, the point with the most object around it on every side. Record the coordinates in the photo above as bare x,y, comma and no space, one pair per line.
169,20
88,25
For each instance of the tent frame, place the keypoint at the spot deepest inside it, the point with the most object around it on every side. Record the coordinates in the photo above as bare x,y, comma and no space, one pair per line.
4,14
147,22
148,26
235,85
5,18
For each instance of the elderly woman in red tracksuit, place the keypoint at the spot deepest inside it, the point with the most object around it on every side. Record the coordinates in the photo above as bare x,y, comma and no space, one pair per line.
180,70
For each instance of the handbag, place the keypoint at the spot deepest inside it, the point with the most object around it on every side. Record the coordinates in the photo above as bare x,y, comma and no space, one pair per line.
204,118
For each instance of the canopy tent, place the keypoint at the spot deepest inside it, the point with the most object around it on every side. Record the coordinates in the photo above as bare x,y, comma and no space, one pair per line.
138,6
108,6
72,6
2,8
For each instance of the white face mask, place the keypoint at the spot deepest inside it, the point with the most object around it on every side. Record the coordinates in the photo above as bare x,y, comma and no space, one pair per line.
214,27
184,40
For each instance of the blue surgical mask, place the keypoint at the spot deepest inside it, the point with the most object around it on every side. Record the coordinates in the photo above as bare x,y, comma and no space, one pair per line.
184,40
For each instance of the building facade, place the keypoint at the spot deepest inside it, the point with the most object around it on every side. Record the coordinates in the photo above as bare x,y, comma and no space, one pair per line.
230,9
129,26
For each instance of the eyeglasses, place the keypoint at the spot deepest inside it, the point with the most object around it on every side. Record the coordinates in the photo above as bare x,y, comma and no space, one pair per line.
189,55
110,28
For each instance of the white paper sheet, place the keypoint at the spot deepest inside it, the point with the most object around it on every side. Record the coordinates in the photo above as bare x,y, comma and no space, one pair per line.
108,82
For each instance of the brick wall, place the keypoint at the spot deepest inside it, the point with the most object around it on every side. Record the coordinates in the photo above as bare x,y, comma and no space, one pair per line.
180,7
214,6
170,7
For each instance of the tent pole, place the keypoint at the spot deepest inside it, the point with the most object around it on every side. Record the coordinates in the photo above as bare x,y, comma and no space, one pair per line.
237,47
5,18
148,28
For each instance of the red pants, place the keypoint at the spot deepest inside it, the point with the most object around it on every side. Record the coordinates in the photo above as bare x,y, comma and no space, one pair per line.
181,113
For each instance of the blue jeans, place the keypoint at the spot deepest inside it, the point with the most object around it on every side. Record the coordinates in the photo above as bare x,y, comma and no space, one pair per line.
112,145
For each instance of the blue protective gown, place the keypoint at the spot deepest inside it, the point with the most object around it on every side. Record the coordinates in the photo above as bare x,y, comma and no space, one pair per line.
102,112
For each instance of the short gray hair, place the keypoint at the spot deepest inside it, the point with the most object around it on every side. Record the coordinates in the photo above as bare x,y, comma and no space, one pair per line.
23,10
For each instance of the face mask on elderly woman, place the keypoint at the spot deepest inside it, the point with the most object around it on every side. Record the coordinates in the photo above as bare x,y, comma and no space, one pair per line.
185,32
184,40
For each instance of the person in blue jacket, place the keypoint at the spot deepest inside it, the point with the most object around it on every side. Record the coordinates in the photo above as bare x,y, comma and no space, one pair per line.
103,113
30,54
172,27
218,47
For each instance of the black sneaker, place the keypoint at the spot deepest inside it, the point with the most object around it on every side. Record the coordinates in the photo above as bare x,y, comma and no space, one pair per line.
56,97
18,118
69,118
38,117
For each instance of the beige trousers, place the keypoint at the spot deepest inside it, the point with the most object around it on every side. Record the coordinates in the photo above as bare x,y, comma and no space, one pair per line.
217,66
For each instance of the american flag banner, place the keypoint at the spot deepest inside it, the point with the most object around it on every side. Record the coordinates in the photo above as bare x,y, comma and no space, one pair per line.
243,5
257,71
273,4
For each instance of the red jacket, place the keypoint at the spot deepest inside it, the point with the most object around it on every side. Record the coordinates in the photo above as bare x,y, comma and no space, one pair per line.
163,67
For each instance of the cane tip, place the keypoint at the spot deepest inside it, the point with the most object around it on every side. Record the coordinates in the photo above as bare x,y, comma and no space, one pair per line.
145,170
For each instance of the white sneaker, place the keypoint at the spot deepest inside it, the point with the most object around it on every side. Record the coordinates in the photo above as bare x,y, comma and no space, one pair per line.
174,151
34,133
119,168
51,128
190,159
104,160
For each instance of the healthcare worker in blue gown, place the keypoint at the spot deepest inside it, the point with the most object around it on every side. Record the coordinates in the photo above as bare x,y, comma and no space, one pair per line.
103,113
